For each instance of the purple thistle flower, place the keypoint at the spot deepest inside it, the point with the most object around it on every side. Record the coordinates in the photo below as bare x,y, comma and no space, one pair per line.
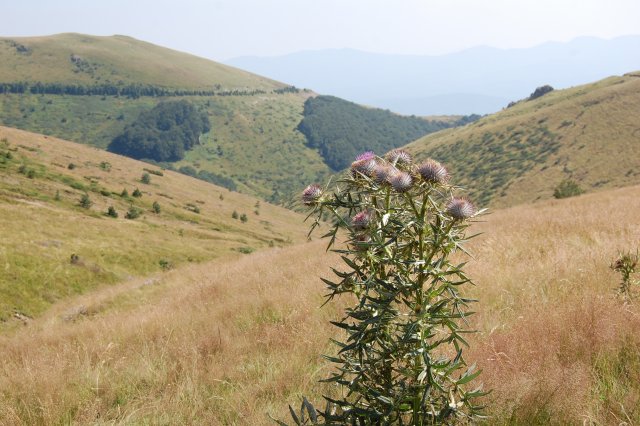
311,194
398,156
367,155
366,166
460,208
401,181
361,220
433,172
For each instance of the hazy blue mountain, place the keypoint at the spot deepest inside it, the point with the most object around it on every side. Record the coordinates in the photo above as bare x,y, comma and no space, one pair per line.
477,80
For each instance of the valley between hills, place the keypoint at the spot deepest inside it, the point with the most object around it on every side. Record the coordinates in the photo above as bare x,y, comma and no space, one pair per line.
132,292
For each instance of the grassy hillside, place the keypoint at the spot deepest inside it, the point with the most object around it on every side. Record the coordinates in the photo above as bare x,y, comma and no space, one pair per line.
83,59
253,141
233,340
42,182
589,134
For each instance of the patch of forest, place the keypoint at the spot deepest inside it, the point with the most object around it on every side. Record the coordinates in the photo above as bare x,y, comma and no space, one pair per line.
341,130
163,133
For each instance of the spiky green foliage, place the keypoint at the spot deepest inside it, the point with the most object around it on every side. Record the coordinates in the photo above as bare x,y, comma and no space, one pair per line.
401,359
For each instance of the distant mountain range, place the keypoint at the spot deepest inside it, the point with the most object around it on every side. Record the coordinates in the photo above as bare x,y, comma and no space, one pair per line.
478,80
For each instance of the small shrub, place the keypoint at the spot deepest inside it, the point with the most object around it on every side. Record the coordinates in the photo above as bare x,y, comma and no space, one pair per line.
136,193
133,213
124,193
106,166
156,207
71,166
567,188
105,193
627,265
234,215
57,196
111,212
31,174
540,91
146,178
243,218
85,201
246,250
192,208
165,264
77,185
154,172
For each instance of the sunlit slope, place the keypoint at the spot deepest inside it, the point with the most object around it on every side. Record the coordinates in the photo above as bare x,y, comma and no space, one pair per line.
233,341
83,59
42,181
589,134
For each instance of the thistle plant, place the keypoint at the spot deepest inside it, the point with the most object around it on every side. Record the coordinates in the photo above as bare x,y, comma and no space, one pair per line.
627,265
401,357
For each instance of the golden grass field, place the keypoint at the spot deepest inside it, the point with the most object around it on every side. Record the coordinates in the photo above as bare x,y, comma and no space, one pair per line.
235,340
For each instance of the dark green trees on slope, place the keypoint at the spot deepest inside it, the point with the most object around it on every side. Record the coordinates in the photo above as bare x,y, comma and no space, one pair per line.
163,133
340,129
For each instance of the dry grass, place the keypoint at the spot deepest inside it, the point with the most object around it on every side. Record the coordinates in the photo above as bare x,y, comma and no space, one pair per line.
231,341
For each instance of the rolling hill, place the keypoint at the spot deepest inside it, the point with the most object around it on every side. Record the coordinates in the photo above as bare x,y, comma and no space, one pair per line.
59,239
89,89
588,134
72,58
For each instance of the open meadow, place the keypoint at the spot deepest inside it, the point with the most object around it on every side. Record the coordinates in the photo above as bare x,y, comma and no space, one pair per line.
235,340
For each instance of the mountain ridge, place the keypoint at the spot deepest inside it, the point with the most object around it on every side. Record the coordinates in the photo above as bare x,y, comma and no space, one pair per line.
508,74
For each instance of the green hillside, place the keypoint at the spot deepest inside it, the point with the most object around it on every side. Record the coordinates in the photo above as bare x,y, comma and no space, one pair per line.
587,134
89,89
82,59
253,145
59,238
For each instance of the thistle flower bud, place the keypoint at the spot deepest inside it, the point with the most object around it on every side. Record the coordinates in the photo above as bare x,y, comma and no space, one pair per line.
361,220
382,173
433,172
398,156
460,208
361,242
311,194
401,181
365,164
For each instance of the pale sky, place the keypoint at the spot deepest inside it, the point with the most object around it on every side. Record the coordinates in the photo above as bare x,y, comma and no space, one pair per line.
223,29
